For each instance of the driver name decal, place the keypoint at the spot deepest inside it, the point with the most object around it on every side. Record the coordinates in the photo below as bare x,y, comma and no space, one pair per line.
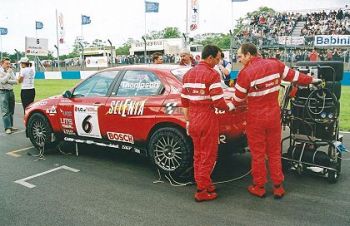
140,85
126,107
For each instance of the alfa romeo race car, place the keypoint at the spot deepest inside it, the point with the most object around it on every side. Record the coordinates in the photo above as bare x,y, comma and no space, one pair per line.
132,108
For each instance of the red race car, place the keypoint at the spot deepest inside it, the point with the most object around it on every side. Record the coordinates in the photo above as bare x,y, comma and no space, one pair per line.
132,108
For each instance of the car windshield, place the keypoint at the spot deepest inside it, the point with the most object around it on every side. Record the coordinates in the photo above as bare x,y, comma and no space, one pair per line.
180,72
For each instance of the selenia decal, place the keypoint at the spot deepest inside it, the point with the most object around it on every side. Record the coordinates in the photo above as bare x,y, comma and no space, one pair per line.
86,121
126,107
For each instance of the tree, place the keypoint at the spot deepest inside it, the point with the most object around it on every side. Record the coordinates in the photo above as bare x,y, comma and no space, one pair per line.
171,32
222,41
168,32
123,50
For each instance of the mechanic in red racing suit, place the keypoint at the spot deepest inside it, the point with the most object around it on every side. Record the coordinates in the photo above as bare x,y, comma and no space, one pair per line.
200,95
259,81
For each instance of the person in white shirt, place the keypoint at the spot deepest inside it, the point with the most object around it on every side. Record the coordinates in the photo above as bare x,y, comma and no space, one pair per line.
224,69
26,77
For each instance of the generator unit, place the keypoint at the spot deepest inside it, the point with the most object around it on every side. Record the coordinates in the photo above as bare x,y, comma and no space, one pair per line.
312,115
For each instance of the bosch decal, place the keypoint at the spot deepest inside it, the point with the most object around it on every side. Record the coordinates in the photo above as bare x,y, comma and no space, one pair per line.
86,121
127,138
126,107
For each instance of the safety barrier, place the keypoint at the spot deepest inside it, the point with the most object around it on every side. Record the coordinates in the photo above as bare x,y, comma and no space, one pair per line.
85,74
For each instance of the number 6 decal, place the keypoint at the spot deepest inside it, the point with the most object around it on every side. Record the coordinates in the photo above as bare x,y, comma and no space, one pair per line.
86,124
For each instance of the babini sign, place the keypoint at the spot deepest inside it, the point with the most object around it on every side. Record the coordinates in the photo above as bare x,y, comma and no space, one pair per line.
332,40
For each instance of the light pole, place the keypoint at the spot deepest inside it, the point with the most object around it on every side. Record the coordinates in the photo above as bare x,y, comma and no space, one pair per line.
185,37
145,53
58,58
112,57
82,55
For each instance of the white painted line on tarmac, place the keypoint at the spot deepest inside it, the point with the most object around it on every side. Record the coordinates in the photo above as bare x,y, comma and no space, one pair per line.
29,185
13,153
19,131
344,132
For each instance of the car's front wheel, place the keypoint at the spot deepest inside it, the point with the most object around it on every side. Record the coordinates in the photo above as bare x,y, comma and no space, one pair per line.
171,150
39,131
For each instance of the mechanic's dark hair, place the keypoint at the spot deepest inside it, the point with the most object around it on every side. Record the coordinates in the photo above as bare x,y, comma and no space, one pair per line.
222,55
155,56
249,48
210,50
4,59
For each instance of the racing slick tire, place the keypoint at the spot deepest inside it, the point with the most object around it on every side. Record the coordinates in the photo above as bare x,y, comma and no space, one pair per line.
39,131
171,151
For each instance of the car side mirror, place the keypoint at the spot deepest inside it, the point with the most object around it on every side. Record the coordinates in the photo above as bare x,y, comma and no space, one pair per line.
67,94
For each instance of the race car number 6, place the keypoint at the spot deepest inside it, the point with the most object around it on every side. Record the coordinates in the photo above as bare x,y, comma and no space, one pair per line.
86,124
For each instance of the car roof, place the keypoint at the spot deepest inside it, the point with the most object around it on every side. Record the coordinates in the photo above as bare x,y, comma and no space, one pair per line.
161,67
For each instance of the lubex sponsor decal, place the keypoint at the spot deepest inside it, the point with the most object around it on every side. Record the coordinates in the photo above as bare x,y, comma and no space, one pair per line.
126,107
140,85
122,137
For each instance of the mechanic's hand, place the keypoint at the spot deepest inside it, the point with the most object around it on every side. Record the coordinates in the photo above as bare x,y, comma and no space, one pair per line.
187,128
316,81
230,106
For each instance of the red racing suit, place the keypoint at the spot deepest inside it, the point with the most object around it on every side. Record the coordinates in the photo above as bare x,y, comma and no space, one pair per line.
259,81
202,92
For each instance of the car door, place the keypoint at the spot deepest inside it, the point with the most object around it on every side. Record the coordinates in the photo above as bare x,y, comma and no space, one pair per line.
133,106
82,114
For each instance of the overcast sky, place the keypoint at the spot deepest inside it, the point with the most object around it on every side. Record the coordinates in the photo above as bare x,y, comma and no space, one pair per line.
119,20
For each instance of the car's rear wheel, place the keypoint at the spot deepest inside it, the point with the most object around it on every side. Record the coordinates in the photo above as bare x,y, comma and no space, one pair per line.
39,131
171,151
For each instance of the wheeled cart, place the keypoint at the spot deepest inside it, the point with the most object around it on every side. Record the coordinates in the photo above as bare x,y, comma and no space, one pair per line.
312,116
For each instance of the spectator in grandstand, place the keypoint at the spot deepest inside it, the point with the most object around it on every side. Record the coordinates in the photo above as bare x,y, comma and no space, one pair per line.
329,54
259,82
313,56
7,96
186,59
26,77
157,58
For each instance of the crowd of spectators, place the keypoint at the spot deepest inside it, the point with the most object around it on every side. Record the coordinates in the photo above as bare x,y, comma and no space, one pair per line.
264,29
326,23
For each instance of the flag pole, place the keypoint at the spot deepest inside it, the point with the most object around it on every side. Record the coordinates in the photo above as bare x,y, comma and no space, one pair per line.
144,39
81,25
186,20
58,42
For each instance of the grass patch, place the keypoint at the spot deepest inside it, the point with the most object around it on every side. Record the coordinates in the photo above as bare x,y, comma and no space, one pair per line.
345,108
46,88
